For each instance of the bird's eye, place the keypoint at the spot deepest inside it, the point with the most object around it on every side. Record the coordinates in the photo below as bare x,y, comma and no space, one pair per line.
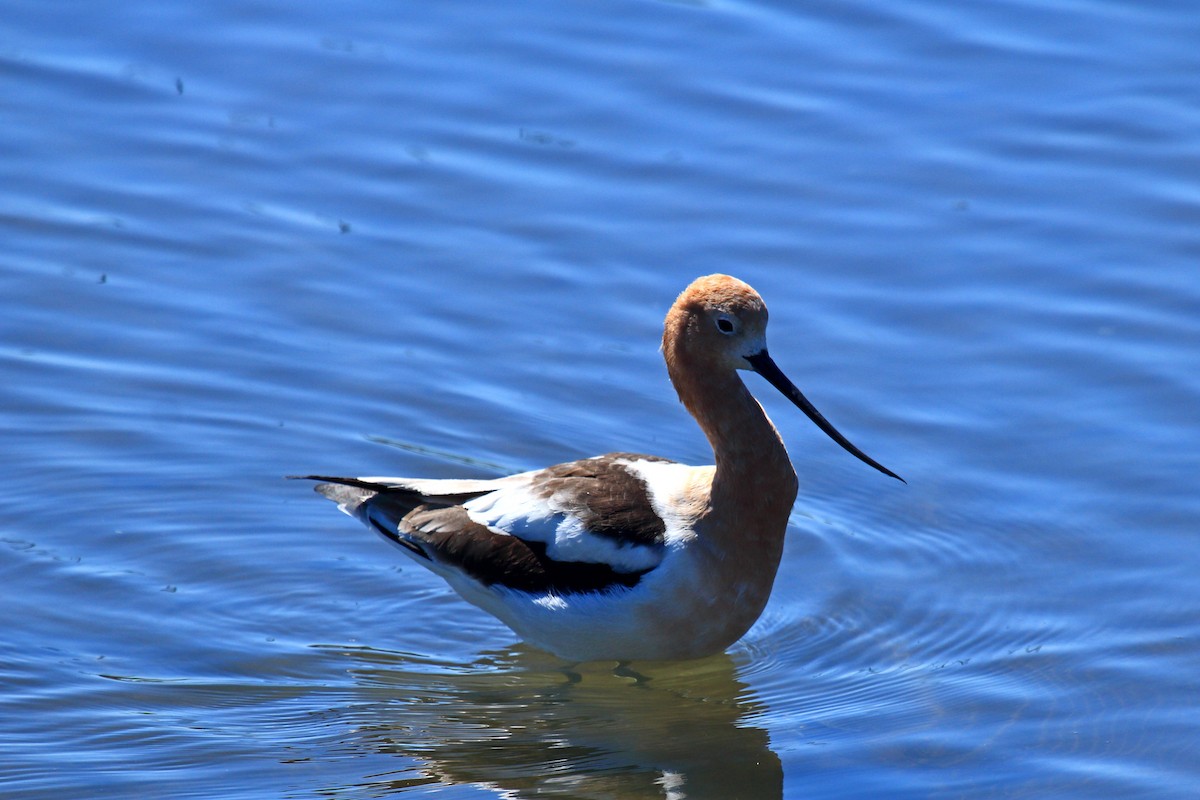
724,324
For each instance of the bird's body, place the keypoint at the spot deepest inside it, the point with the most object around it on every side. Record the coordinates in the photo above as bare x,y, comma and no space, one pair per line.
624,556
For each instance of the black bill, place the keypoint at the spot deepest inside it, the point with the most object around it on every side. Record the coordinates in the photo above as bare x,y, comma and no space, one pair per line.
765,366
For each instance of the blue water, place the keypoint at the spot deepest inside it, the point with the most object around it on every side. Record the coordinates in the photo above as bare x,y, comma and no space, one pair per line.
242,241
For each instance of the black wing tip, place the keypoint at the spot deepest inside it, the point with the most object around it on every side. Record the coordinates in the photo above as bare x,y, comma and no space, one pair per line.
358,483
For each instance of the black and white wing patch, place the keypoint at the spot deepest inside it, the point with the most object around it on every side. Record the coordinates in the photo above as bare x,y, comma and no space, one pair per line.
580,527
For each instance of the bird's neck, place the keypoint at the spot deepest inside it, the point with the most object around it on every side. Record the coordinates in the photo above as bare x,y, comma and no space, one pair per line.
741,532
754,478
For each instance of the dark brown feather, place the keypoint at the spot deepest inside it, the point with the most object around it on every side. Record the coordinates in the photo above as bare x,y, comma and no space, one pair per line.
448,535
608,498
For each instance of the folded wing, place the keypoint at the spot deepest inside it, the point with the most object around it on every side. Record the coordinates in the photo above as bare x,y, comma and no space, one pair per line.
580,527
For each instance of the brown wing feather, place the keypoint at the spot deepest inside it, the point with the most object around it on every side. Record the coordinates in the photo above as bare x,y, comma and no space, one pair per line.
448,535
608,498
439,530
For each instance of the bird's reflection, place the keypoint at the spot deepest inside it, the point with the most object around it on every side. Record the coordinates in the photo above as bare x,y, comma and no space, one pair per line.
520,722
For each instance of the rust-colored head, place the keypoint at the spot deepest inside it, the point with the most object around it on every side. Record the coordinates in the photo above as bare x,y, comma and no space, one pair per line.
715,323
719,325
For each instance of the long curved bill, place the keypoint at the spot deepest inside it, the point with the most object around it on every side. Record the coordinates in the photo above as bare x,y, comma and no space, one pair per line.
765,366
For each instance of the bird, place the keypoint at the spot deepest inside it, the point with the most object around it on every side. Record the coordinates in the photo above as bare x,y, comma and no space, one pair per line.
624,556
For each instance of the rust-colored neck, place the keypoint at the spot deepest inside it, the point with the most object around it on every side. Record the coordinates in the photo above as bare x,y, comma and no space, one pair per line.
754,480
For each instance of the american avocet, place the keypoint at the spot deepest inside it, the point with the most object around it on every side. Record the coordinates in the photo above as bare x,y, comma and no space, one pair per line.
624,556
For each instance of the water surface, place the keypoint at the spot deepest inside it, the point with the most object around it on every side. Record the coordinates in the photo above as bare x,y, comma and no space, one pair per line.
242,242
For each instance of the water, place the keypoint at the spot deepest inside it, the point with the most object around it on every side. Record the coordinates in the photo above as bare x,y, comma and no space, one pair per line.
245,241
